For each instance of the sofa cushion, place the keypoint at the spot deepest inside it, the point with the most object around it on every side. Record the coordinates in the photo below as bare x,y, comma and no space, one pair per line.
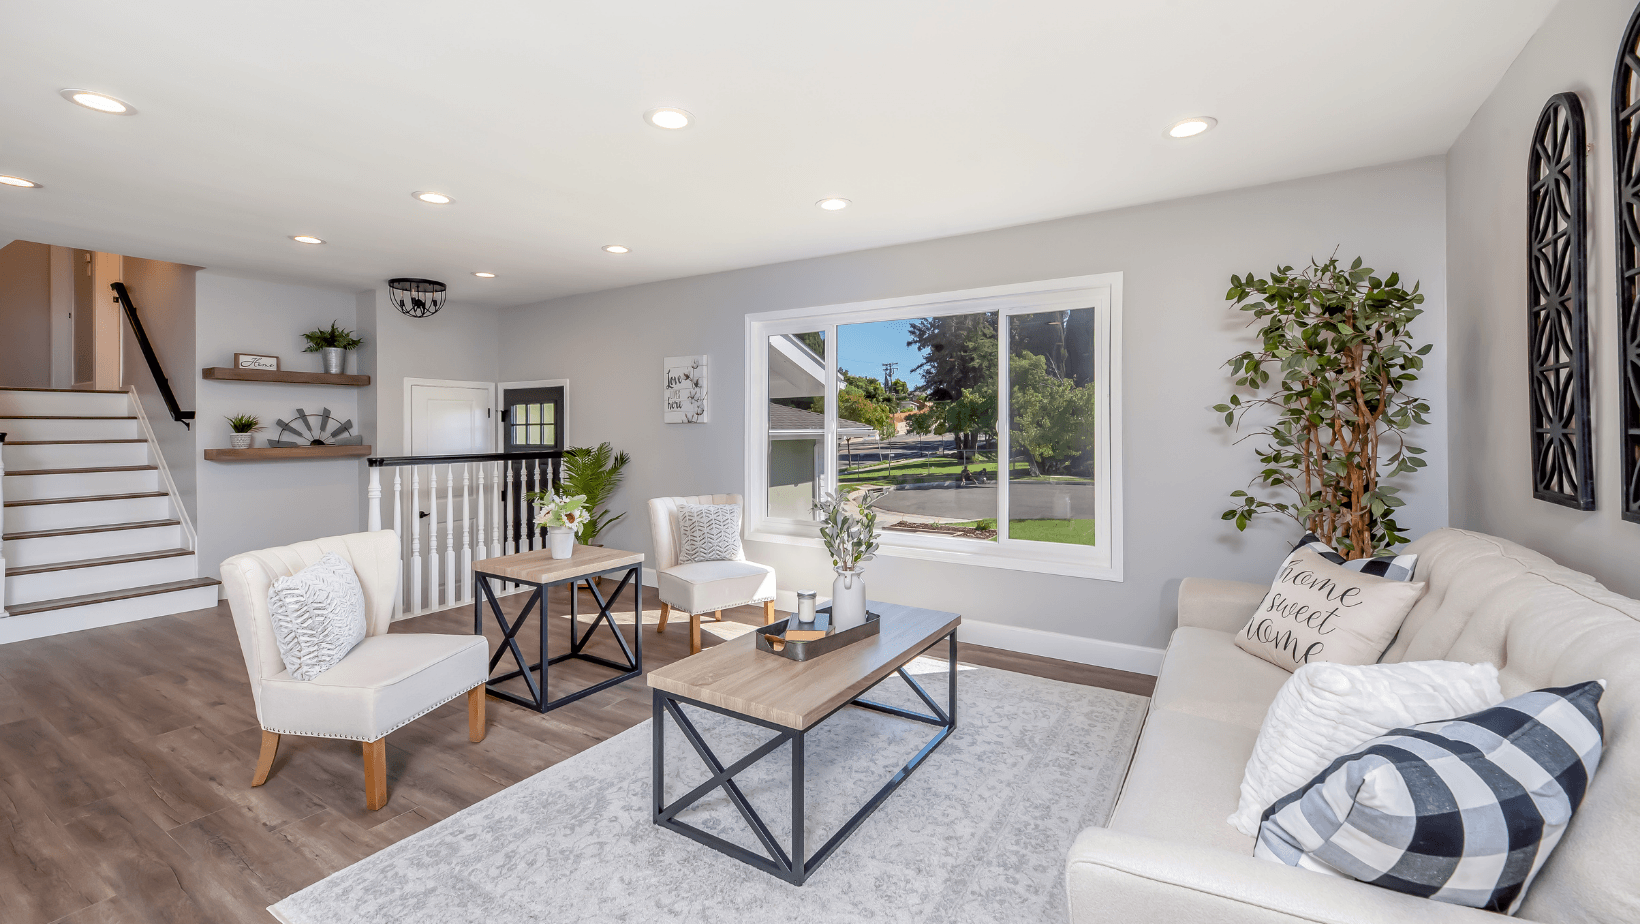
1185,780
709,586
383,683
1320,611
1205,674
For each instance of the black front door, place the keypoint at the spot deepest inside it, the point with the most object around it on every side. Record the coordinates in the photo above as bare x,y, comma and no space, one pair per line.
533,419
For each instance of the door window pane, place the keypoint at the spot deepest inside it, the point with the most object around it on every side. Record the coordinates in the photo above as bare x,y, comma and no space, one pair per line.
797,423
1050,426
916,422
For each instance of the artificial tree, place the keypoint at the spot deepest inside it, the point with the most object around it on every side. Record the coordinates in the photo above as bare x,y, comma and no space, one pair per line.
1336,355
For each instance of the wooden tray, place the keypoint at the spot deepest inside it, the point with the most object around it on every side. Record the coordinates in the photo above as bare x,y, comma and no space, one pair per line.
772,639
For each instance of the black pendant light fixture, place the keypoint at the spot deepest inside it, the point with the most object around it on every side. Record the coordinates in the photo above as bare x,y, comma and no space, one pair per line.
418,298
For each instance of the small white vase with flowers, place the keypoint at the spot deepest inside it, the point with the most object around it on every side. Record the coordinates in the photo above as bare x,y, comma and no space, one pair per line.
849,529
561,517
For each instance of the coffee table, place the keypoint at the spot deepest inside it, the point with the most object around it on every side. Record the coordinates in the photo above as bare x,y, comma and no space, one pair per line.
541,571
791,698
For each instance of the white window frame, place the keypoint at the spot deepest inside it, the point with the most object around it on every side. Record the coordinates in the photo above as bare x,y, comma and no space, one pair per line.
1102,292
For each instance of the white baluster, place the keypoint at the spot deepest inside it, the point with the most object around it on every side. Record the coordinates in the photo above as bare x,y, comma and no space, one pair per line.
495,522
415,540
398,531
432,538
482,550
466,573
373,501
536,471
509,541
449,535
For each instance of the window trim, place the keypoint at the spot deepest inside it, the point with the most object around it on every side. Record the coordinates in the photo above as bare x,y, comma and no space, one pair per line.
1102,291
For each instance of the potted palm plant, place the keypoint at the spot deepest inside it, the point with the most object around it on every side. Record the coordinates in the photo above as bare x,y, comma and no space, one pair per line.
333,344
594,473
242,427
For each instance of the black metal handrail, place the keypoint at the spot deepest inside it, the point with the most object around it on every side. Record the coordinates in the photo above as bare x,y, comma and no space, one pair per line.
515,481
177,413
390,461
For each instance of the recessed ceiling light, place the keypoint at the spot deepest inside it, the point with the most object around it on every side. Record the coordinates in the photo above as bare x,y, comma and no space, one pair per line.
101,102
833,204
306,239
616,248
1186,128
485,275
433,198
19,181
668,118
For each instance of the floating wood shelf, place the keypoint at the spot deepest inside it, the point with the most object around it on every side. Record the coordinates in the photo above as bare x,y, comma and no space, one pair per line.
225,374
275,454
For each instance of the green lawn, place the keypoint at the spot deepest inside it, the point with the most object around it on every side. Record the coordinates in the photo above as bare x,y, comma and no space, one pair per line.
1071,532
938,468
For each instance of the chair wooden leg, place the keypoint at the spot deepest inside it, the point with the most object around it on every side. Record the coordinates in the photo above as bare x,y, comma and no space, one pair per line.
768,612
717,615
666,611
694,633
264,761
375,774
475,714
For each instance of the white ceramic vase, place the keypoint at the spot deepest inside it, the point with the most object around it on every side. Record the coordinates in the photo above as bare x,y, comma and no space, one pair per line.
335,359
848,599
562,541
240,440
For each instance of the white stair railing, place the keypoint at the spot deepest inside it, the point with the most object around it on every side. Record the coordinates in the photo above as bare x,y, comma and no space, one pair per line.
486,510
3,526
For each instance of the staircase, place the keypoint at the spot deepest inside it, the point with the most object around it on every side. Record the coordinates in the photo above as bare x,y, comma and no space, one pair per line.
91,535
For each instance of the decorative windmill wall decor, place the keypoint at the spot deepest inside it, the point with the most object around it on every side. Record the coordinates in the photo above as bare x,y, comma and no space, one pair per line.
306,429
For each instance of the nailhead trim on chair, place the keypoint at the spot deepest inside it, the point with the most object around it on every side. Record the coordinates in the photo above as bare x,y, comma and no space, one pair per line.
717,609
383,734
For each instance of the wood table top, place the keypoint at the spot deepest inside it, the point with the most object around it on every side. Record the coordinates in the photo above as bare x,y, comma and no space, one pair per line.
797,694
539,567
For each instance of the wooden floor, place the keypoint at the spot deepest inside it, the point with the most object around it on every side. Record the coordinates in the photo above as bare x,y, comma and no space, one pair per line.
126,755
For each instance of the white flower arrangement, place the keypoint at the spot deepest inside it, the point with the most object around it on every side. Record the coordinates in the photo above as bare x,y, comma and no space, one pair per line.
851,535
554,511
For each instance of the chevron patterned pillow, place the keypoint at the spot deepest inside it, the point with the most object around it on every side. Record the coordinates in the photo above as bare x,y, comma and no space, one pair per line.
318,616
710,532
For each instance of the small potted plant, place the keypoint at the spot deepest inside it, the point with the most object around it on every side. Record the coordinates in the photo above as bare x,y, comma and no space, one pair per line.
851,536
333,344
561,517
242,425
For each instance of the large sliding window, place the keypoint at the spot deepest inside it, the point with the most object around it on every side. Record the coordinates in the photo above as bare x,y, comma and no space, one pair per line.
983,425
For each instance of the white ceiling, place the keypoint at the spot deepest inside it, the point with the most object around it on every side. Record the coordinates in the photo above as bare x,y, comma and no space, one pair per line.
936,117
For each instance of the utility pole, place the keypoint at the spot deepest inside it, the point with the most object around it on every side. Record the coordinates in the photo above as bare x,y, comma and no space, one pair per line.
888,374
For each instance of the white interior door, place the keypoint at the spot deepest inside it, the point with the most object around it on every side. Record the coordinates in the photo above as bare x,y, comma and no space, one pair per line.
451,418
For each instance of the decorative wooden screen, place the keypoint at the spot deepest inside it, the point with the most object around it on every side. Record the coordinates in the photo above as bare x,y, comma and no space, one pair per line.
1557,298
1625,133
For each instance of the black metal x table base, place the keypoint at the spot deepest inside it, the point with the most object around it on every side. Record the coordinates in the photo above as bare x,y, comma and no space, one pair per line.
538,699
792,867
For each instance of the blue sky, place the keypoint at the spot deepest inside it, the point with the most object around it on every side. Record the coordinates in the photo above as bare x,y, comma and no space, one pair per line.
863,348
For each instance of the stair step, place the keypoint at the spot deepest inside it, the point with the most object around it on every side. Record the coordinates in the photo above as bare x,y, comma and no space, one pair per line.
107,596
85,530
25,403
53,429
6,417
97,562
82,500
67,442
87,471
72,391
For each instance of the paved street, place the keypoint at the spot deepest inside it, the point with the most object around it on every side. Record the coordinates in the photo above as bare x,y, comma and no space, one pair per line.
1030,500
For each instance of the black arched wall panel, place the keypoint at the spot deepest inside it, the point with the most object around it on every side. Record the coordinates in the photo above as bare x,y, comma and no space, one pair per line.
1626,170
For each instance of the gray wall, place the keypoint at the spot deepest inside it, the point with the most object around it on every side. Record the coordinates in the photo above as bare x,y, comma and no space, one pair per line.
1176,258
25,315
164,296
1486,250
254,505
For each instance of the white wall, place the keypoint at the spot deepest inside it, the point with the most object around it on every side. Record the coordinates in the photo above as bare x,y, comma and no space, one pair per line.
25,315
459,343
1486,213
1176,258
253,505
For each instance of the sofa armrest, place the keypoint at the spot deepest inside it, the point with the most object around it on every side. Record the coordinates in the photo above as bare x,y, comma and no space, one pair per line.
1116,877
1224,605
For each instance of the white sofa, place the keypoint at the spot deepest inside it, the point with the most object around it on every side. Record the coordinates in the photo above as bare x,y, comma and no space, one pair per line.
1167,854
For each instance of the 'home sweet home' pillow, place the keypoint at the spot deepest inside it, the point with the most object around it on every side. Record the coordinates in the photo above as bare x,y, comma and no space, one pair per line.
1319,611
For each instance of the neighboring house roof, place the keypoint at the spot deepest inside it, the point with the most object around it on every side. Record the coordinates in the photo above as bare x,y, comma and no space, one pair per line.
787,420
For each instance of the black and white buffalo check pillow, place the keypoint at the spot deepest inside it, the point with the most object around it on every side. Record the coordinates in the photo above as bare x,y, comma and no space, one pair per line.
1394,567
1464,811
709,532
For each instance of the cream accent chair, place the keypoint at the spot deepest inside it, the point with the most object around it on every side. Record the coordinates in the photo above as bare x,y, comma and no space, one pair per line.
703,586
385,682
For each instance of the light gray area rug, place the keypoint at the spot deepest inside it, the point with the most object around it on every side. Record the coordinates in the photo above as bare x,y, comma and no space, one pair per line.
977,835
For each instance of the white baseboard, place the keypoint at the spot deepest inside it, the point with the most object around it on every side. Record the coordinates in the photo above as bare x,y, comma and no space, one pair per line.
1082,650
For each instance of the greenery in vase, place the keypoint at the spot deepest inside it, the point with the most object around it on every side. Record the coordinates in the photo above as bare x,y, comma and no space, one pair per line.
849,531
556,511
336,336
243,423
594,473
1339,346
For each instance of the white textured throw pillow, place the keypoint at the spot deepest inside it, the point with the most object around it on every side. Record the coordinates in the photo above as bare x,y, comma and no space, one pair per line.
1325,711
318,616
710,532
1319,611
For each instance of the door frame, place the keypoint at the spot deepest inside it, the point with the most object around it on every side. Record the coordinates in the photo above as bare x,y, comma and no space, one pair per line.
501,393
410,408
